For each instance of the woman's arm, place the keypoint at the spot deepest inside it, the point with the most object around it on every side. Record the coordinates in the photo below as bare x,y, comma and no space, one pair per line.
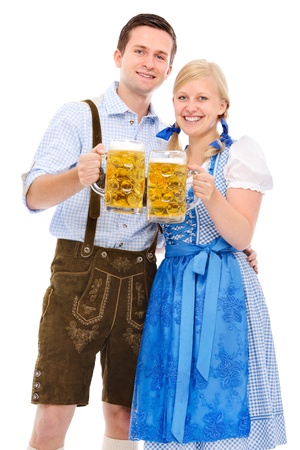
234,216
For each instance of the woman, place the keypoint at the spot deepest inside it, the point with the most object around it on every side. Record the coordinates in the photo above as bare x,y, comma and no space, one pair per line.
207,370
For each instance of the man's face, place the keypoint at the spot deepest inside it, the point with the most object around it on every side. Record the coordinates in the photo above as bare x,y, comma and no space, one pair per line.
145,63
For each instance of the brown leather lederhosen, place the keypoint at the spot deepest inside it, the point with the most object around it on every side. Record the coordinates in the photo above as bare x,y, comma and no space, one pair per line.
96,302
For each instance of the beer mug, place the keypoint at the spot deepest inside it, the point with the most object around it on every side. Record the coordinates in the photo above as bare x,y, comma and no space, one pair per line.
125,177
166,186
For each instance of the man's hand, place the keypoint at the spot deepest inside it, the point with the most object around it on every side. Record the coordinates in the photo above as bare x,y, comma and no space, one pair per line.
252,258
89,165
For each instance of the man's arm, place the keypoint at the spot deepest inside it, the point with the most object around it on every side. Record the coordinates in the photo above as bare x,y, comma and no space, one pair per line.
51,189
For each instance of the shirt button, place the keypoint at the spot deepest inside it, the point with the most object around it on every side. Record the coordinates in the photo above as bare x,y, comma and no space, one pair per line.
124,225
120,244
131,122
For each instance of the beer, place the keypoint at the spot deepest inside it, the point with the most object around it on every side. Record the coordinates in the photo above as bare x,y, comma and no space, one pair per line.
166,186
125,177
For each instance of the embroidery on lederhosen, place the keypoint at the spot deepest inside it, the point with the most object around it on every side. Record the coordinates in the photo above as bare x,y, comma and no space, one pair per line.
88,312
121,264
80,336
132,338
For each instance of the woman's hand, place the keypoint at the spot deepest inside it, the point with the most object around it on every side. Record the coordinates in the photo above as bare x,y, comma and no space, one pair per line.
203,182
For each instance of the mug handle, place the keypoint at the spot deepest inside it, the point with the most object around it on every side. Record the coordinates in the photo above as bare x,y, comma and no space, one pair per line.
196,200
100,182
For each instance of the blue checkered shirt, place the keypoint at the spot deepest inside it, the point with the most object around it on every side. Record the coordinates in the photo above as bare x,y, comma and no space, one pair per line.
68,136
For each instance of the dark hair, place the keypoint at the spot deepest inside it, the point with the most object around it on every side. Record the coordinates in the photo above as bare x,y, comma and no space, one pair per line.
149,20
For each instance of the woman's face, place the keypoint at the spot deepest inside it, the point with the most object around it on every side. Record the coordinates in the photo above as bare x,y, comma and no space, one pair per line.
197,106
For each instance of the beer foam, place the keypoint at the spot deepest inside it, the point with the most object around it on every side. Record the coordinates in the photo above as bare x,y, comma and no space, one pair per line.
126,144
173,160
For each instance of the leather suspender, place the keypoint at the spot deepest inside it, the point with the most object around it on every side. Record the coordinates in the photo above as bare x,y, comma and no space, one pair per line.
94,206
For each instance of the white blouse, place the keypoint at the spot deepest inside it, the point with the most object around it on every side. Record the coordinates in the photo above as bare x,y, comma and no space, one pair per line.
246,167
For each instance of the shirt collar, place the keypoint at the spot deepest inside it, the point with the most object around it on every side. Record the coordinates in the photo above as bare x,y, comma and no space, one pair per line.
115,105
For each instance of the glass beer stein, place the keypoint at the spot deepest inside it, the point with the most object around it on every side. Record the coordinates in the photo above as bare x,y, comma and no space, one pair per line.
125,177
166,186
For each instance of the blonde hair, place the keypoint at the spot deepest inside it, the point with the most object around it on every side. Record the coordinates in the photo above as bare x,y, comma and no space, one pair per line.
196,70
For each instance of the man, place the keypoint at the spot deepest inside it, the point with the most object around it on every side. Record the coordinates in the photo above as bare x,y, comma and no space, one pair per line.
90,306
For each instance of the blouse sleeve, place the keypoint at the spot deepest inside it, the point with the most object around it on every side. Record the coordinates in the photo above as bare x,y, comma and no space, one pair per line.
246,167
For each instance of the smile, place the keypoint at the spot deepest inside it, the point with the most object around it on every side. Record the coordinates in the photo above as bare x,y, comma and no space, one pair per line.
192,118
145,75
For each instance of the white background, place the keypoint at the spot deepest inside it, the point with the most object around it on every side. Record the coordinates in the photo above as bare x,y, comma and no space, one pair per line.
57,51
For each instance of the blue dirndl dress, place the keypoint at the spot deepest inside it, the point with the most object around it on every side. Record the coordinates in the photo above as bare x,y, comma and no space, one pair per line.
206,375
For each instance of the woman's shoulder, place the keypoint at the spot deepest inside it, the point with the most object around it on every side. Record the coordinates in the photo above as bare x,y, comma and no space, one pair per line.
246,143
247,166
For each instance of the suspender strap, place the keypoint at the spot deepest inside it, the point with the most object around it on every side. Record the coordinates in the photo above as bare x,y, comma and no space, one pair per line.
94,206
97,136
